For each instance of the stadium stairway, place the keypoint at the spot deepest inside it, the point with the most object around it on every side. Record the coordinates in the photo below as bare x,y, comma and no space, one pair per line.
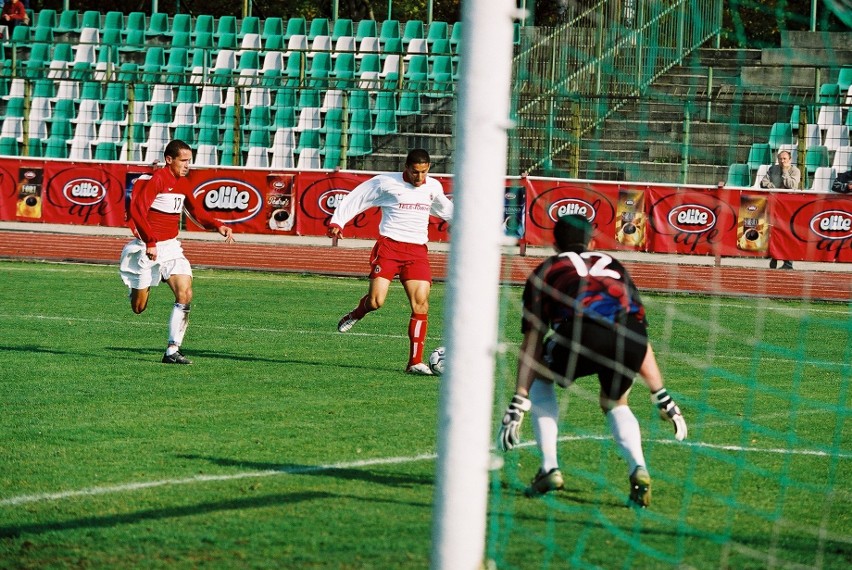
733,97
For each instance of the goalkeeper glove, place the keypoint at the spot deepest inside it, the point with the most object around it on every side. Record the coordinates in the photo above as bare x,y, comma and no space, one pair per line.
669,411
510,431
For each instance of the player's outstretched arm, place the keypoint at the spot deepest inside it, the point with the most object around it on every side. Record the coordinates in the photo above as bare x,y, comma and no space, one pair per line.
528,357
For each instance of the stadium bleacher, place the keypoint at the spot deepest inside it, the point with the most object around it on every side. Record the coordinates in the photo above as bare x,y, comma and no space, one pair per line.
125,83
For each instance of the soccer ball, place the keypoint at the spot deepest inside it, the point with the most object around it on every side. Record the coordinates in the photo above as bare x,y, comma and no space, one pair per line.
436,360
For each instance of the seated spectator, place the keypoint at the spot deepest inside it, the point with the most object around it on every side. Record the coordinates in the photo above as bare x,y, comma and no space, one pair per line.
782,175
843,183
14,13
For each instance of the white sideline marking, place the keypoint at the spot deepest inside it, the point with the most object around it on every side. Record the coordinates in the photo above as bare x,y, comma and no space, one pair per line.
129,487
92,491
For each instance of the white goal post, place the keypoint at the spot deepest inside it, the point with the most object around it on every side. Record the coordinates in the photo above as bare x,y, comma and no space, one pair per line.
471,315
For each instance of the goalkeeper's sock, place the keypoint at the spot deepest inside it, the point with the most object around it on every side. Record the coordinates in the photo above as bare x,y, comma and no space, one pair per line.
177,323
545,422
625,431
362,308
417,326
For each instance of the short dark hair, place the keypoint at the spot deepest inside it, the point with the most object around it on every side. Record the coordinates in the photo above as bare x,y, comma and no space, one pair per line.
572,233
174,147
417,156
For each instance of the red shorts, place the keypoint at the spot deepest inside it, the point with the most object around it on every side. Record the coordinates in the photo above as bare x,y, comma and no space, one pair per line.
408,260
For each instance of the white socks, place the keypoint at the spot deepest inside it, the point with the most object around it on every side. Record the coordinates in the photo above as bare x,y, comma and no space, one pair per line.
545,421
625,431
177,326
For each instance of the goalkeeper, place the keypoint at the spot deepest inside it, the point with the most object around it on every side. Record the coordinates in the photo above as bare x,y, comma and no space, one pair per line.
582,315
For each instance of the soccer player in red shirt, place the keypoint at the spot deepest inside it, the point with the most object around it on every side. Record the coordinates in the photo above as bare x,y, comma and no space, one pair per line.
156,254
406,200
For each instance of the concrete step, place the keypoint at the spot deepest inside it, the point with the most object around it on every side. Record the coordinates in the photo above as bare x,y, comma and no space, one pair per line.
832,41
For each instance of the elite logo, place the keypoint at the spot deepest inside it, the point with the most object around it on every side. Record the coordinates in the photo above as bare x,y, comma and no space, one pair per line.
329,200
84,191
691,218
234,198
571,206
832,225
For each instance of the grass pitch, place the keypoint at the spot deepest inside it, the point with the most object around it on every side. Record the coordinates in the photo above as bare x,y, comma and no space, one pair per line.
289,445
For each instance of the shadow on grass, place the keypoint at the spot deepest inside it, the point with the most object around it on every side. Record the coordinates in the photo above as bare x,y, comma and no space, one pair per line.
159,514
31,348
346,473
199,356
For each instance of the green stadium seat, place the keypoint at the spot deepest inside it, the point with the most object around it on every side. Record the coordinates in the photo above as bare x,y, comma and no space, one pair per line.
333,121
413,29
295,27
816,157
780,134
46,18
360,144
330,156
44,35
844,79
366,29
9,146
437,31
310,98
91,19
342,27
273,26
320,70
409,104
226,25
456,37
759,154
158,26
208,136
794,116
21,35
203,24
181,40
308,139
739,175
260,118
56,147
227,41
181,23
829,94
319,27
343,73
249,25
274,42
69,22
35,147
113,20
285,118
186,133
360,121
293,72
135,21
385,122
106,151
389,31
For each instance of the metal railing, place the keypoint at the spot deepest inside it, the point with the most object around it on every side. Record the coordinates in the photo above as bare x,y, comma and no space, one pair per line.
568,80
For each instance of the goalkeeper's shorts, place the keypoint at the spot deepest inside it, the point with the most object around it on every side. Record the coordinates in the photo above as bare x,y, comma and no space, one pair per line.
584,347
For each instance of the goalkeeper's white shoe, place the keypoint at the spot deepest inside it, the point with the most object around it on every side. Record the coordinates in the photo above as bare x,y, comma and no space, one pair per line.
640,488
419,369
545,482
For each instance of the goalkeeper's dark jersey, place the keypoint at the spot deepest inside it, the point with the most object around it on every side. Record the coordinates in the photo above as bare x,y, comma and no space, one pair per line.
591,284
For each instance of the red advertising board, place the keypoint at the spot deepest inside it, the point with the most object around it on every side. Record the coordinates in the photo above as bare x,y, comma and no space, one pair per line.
656,218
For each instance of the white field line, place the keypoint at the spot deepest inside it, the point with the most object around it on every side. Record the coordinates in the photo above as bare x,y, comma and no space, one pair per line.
130,487
323,332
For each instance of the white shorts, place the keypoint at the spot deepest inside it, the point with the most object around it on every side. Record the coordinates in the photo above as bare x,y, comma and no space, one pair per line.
139,272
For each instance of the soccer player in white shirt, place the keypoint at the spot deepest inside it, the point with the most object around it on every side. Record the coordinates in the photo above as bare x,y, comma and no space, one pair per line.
406,200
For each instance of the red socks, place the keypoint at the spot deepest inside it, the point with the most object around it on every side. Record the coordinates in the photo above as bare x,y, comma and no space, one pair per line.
362,309
417,336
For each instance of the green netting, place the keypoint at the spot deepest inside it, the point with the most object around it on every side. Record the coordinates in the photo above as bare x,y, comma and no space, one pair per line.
668,92
761,482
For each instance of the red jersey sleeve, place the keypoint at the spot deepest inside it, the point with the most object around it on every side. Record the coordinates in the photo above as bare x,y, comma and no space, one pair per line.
145,190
